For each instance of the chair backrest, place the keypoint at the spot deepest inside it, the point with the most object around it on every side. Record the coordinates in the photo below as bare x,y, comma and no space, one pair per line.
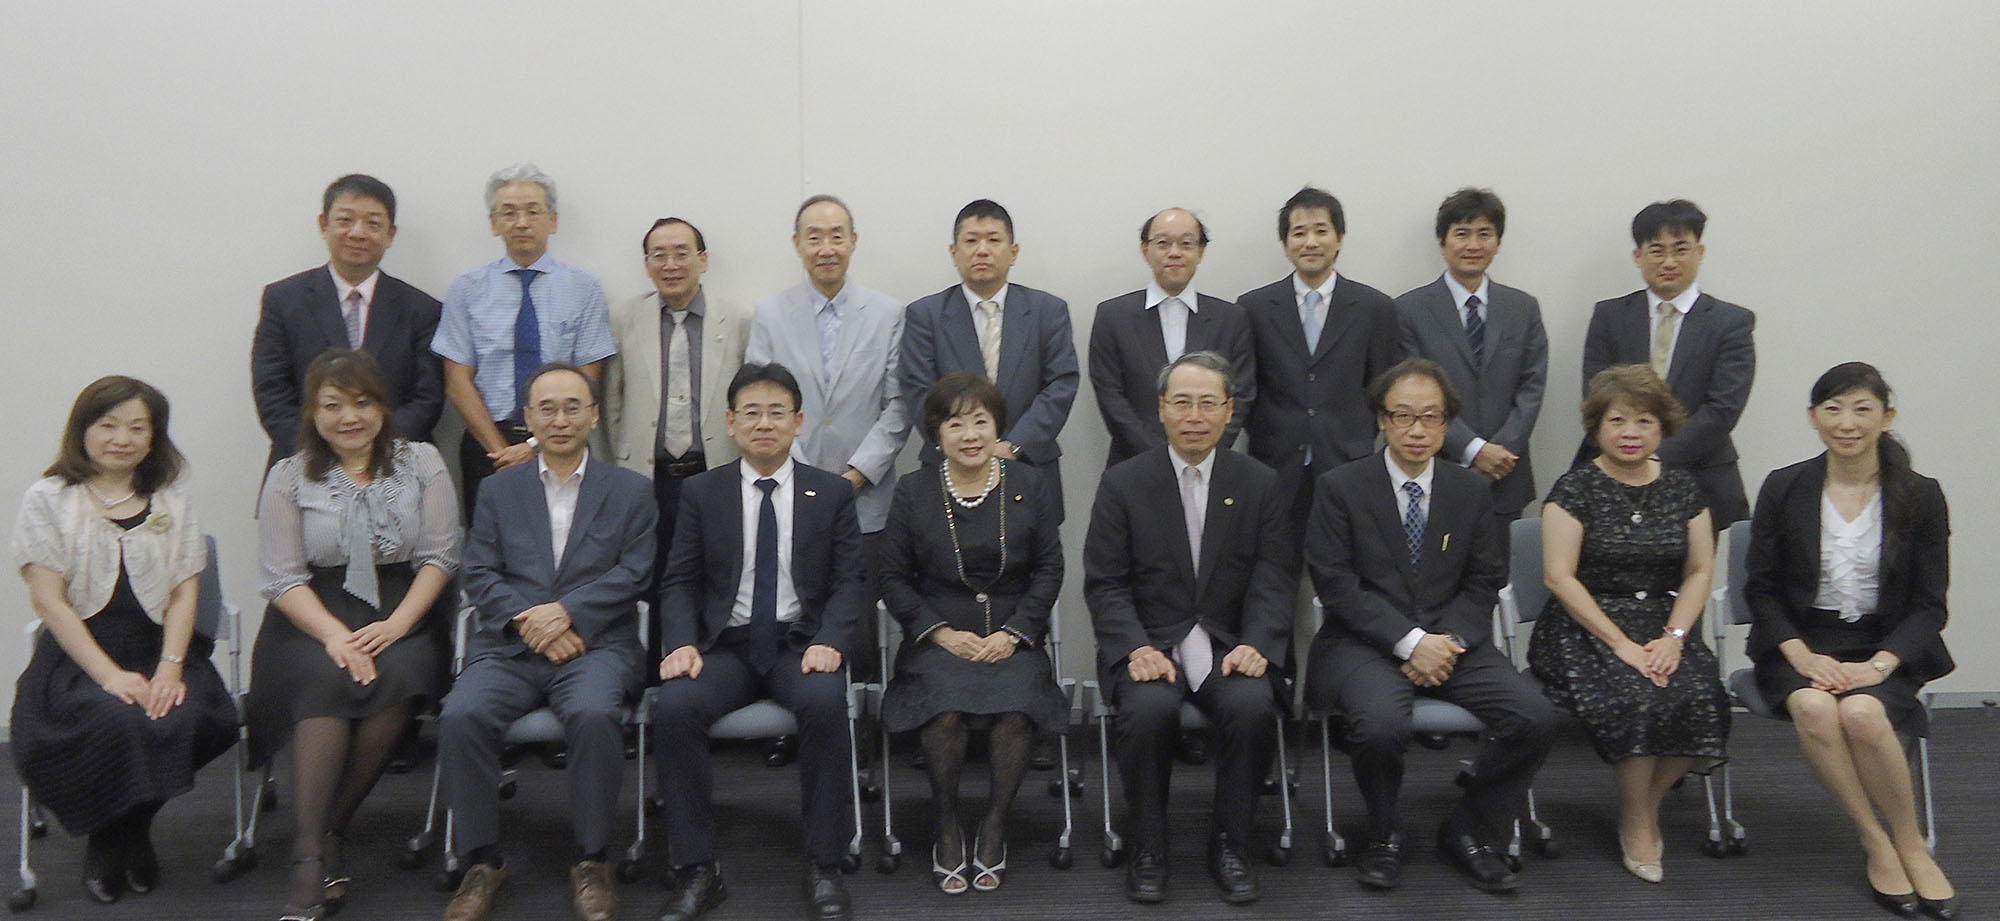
208,603
1524,571
1738,577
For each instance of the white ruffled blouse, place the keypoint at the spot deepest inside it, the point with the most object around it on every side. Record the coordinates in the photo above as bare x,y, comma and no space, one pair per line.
1850,560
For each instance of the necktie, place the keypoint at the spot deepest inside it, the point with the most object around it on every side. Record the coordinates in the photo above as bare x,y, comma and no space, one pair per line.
1475,331
1173,326
1312,320
350,311
527,338
829,336
764,635
677,428
1663,339
989,344
1413,522
1196,651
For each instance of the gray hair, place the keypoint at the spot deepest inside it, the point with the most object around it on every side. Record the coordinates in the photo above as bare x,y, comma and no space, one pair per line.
520,172
1213,361
818,200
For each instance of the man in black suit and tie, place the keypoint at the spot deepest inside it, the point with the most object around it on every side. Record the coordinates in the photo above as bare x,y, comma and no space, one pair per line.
763,587
1137,333
1408,560
347,303
1700,345
1490,341
1320,338
1191,600
1016,336
560,552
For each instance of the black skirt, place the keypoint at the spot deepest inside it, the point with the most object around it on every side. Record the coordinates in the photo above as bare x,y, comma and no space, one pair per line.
930,680
1825,633
89,758
292,678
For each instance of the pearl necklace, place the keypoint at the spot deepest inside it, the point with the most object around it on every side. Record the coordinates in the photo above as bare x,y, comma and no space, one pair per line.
992,479
110,503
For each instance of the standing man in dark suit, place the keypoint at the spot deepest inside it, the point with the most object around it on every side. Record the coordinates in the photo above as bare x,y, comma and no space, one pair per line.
1137,334
1408,560
1490,341
559,555
1191,600
1016,336
1320,338
762,590
1700,345
347,303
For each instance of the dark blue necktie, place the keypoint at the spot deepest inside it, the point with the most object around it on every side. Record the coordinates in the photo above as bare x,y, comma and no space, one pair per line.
527,338
764,633
1475,331
1413,522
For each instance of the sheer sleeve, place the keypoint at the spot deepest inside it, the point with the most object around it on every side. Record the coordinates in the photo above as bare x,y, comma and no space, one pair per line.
281,551
437,540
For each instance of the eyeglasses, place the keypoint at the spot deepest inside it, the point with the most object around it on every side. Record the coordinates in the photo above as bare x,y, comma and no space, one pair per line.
1403,419
672,257
511,214
1658,253
1207,406
757,416
547,412
1165,245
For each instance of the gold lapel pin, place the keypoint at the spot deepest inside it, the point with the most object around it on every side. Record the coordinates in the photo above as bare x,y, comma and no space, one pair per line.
1017,497
810,494
1228,500
1447,537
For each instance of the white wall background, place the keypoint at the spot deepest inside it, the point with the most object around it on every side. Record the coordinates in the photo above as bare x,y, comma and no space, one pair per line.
165,162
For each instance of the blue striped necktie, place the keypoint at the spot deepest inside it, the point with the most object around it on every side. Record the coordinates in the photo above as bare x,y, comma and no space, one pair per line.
527,338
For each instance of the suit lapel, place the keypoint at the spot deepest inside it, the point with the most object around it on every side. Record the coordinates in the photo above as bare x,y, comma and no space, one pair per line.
1166,482
806,523
1638,325
1341,315
1218,522
1446,314
1153,339
589,497
843,343
960,336
1495,315
1016,326
1285,304
1382,503
324,305
1692,340
715,330
728,525
1444,518
383,316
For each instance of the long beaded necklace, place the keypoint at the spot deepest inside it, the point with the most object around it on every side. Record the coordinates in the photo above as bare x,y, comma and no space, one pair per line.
996,476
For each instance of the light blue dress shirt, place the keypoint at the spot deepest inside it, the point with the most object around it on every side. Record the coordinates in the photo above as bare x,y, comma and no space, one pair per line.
476,328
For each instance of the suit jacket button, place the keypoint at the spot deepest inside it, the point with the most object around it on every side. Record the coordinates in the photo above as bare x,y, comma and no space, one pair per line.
1312,412
1311,377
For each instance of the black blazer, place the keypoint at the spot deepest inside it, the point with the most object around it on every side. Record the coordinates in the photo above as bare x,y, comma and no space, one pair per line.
1141,584
1360,557
1127,351
1318,399
918,569
1502,395
1784,570
300,319
705,564
1714,362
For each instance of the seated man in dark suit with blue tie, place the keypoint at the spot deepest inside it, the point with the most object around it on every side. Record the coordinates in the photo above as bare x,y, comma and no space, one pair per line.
1408,560
1191,600
559,555
759,599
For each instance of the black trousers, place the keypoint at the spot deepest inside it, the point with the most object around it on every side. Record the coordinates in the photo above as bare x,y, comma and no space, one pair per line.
474,465
1374,695
1242,714
668,475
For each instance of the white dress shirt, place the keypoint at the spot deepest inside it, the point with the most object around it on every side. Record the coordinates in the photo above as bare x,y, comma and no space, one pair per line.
1656,307
1407,646
561,496
1195,654
1850,559
1173,317
1459,295
978,316
367,288
753,502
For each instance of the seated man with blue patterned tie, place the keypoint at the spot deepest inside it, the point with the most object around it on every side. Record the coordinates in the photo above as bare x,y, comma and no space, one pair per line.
1407,560
759,599
503,320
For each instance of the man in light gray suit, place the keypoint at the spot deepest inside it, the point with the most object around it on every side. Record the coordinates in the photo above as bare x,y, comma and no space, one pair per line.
1490,341
1017,336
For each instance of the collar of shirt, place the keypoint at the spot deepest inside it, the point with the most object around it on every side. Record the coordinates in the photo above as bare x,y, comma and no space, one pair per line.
1156,294
1299,289
549,476
1459,294
1207,467
783,475
695,308
972,300
365,287
1683,302
1397,477
838,302
506,265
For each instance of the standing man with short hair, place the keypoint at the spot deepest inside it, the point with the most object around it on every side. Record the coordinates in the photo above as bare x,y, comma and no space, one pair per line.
1138,333
1490,341
1320,338
505,319
1699,344
349,303
1016,336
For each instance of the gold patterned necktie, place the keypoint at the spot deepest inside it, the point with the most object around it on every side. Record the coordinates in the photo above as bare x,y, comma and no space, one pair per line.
989,344
1663,339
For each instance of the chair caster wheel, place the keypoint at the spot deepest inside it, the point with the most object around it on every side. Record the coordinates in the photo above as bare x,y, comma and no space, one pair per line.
229,868
871,792
1714,848
448,880
1737,847
1060,858
1281,856
1334,852
1435,741
1547,848
1111,856
654,806
410,858
1056,787
38,829
887,863
508,788
1513,862
628,871
850,864
21,900
267,797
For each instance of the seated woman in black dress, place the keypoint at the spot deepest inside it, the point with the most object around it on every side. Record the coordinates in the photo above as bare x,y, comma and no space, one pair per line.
971,565
1627,554
1849,559
119,705
358,536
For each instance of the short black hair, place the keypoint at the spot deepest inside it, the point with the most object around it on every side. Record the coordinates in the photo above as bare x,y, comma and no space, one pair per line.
1378,389
1310,197
962,392
1678,214
1146,229
984,207
551,368
1470,204
700,244
769,372
363,186
820,200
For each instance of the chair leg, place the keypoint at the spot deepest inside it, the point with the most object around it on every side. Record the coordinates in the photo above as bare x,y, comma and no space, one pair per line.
1333,847
1114,847
1061,858
628,869
1930,808
1282,854
853,860
413,853
24,898
892,849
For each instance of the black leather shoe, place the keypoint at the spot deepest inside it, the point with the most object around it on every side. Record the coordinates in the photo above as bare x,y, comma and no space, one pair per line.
1904,904
783,750
102,879
1231,870
1941,909
826,894
1043,756
1193,748
1477,861
1381,863
699,891
1146,878
142,865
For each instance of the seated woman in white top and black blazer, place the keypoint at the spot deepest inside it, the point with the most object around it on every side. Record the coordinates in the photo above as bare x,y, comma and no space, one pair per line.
1847,570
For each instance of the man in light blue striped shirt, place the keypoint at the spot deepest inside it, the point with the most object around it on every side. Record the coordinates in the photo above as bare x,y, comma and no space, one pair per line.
505,319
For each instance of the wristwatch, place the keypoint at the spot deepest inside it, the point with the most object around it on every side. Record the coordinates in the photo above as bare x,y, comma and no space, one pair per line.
1881,667
1678,634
